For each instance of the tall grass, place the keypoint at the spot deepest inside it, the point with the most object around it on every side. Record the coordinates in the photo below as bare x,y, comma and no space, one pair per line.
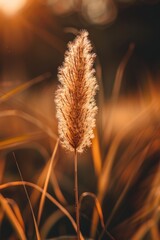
75,102
123,200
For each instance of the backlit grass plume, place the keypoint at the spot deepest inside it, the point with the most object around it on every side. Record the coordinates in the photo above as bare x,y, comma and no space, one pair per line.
75,103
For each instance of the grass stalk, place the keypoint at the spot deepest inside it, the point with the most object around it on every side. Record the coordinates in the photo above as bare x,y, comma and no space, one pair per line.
76,194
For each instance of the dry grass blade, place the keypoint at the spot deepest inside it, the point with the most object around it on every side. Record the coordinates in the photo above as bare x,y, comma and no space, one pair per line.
101,98
31,119
2,168
34,219
19,140
42,201
155,232
17,211
98,206
109,160
57,189
119,200
40,182
11,216
143,230
140,154
117,85
120,71
1,215
23,87
96,153
53,200
52,219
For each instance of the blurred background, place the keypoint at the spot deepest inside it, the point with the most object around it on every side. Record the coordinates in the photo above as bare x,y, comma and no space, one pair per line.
34,35
125,35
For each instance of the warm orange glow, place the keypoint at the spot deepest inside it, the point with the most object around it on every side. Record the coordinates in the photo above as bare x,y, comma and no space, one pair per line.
11,7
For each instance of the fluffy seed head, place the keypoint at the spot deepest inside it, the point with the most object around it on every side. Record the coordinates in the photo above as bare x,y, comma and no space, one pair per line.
75,103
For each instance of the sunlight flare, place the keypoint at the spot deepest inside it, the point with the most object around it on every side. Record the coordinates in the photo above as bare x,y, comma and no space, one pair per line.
11,7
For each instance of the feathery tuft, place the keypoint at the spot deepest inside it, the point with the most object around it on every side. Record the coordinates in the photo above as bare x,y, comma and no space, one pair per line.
75,103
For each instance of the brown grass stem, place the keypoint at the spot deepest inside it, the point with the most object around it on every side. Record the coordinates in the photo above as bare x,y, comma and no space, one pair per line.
76,194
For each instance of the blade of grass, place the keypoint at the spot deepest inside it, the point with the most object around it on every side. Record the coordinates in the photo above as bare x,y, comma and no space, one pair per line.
40,182
144,151
53,200
117,85
98,206
155,232
42,201
57,189
120,72
23,87
96,153
19,140
1,215
141,152
2,167
11,216
140,233
34,219
52,220
123,193
31,119
16,211
104,178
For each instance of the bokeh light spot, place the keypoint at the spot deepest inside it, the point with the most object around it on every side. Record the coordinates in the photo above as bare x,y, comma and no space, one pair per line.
99,12
11,7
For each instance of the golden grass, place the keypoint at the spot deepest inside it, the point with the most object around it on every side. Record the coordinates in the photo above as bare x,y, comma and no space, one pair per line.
53,200
23,87
12,217
42,201
119,157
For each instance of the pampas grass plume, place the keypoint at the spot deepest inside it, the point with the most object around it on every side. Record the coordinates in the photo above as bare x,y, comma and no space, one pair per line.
75,103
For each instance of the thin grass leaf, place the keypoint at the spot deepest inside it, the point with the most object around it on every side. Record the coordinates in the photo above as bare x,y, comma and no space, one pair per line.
155,232
16,211
42,201
98,206
104,178
1,215
13,219
40,182
24,86
20,140
119,200
52,220
2,168
57,189
120,72
117,85
53,200
140,233
96,153
31,119
34,219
